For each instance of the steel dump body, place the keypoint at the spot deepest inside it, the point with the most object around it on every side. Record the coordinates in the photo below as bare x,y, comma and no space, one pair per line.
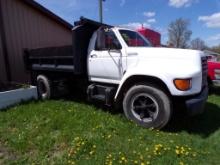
70,58
51,59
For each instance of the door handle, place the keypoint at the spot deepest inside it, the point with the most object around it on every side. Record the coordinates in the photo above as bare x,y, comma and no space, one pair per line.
93,56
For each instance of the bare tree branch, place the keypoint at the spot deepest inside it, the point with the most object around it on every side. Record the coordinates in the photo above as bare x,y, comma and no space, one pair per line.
198,44
179,34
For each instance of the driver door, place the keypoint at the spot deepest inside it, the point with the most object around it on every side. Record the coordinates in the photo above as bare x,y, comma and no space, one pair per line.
106,64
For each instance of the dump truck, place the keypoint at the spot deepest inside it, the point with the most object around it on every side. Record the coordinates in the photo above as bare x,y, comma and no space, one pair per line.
122,69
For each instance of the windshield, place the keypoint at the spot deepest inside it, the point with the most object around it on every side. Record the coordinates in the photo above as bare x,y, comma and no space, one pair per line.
134,39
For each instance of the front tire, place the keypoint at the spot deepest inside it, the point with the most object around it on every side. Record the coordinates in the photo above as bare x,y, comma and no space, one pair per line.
147,106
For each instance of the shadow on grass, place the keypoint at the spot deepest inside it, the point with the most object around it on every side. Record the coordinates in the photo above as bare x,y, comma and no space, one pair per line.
79,96
214,90
203,125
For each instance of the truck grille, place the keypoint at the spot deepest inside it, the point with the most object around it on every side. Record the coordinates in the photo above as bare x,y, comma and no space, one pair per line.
204,71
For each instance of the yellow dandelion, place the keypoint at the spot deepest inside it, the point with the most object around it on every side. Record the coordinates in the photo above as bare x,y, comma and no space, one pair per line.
135,162
76,138
141,157
91,152
181,163
177,152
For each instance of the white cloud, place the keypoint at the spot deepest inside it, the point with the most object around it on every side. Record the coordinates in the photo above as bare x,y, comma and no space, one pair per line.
136,25
212,21
152,20
146,24
181,3
149,14
122,3
215,38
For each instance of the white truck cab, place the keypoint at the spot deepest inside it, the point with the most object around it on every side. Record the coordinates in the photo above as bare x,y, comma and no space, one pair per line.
127,56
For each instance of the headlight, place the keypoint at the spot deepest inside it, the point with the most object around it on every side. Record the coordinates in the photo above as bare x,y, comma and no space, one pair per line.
217,74
182,84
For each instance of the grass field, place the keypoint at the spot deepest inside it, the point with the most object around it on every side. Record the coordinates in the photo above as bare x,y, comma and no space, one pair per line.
68,132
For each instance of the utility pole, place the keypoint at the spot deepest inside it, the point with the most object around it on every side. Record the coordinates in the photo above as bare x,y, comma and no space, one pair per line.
100,10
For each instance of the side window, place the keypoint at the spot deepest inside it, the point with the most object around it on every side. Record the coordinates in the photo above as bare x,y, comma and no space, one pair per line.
111,41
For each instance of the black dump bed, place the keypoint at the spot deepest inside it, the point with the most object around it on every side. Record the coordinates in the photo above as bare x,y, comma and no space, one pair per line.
72,58
50,59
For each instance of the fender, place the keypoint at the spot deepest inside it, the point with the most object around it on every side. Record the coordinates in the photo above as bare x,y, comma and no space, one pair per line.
128,76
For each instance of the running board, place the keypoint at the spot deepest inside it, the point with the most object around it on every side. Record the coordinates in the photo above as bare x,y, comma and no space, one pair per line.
101,93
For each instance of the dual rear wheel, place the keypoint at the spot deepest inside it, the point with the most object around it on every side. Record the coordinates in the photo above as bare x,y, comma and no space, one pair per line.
44,87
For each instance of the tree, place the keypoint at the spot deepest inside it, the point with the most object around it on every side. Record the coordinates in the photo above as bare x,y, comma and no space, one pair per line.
216,49
198,44
179,34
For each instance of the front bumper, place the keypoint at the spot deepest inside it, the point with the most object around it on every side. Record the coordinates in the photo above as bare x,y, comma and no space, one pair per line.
195,105
216,83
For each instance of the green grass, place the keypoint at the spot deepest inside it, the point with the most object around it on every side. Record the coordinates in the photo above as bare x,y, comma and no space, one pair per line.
68,132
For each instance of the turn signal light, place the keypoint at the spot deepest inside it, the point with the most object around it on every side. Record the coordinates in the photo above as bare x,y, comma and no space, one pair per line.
182,84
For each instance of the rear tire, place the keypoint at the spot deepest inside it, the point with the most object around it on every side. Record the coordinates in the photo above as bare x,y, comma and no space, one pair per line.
44,87
147,106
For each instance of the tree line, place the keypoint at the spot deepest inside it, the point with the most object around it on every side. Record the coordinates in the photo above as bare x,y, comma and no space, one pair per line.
179,36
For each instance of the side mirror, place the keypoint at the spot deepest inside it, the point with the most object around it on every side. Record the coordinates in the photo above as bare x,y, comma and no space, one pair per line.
100,39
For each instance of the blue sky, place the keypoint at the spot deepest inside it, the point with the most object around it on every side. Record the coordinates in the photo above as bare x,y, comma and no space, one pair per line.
204,15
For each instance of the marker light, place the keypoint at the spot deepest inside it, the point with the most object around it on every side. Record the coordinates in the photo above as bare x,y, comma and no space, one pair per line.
182,84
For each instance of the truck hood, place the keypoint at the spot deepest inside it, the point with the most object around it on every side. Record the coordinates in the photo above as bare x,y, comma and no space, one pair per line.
167,64
167,53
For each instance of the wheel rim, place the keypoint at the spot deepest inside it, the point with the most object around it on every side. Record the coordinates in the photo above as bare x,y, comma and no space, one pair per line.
144,107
